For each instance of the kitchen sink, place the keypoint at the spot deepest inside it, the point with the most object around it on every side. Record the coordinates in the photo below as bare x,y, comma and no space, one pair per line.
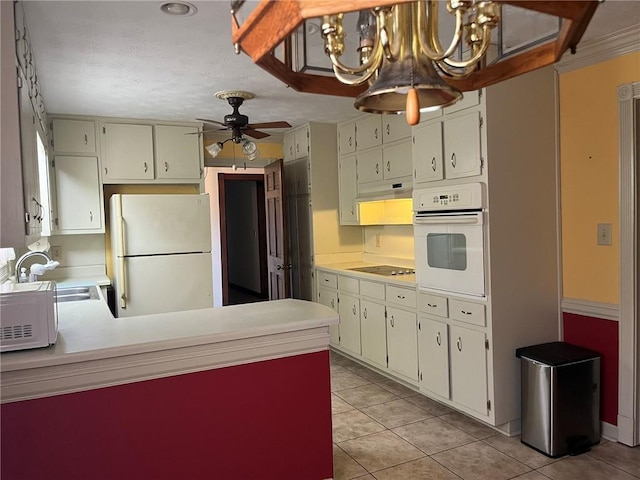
77,294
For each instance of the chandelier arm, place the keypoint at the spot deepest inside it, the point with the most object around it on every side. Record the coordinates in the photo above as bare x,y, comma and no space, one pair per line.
430,45
372,63
478,54
352,81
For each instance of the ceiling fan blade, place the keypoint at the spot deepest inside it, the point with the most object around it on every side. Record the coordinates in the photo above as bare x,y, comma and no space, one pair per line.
210,121
269,125
255,133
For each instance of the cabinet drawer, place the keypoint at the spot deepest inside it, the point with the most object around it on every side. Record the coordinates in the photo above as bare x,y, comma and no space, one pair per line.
467,312
433,304
372,289
401,296
328,280
349,284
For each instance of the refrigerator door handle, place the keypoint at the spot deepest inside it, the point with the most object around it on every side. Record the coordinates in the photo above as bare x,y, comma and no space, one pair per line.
123,277
120,253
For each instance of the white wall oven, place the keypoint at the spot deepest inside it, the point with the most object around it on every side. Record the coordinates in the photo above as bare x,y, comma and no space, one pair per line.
449,239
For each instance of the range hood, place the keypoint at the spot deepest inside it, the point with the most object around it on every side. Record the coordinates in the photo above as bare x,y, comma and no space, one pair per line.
384,192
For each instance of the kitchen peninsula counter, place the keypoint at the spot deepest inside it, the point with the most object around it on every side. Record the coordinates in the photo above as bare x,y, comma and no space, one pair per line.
94,349
191,394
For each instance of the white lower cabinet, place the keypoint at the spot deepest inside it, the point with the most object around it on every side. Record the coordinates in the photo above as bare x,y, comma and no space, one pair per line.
469,368
402,342
373,332
433,346
349,311
329,298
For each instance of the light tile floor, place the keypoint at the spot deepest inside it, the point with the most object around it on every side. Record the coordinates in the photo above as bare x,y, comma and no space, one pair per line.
386,431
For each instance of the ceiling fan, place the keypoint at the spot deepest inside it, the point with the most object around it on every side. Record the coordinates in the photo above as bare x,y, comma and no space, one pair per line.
237,122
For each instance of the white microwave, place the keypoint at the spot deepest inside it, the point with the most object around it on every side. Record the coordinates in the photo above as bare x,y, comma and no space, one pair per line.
28,315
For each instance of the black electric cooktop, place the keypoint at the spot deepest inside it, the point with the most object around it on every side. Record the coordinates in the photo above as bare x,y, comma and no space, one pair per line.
386,270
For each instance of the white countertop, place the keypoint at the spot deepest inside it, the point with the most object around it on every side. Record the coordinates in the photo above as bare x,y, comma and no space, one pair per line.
345,268
104,350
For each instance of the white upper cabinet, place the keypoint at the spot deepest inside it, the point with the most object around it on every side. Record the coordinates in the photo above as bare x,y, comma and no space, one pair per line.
369,166
296,144
79,199
462,149
347,138
177,152
368,131
127,152
469,99
74,136
397,160
427,152
348,190
395,127
301,139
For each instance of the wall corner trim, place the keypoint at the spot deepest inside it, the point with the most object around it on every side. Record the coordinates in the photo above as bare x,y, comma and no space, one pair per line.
607,311
605,47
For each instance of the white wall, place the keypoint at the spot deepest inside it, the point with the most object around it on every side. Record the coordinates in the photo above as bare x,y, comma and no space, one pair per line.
389,241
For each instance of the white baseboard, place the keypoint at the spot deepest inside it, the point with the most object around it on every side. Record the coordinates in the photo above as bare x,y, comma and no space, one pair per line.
610,432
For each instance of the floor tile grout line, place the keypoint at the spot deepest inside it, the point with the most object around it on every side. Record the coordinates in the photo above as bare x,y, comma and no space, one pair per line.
553,460
347,454
607,463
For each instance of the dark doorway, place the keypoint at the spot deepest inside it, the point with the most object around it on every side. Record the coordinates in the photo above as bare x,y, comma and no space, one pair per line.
243,238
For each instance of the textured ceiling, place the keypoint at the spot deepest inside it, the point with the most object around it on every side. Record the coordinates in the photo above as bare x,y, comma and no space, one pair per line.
128,59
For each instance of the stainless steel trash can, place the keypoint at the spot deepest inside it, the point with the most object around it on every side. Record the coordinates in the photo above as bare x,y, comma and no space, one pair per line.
560,386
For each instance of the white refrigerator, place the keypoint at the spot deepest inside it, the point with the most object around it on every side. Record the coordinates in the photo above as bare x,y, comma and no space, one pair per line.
161,253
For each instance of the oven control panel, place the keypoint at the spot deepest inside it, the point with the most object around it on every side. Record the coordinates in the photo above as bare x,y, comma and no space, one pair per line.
454,197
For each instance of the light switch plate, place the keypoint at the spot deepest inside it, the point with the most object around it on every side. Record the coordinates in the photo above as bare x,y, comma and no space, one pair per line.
604,234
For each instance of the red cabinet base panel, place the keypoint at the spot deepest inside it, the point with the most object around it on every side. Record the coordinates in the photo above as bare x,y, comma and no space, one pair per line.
265,420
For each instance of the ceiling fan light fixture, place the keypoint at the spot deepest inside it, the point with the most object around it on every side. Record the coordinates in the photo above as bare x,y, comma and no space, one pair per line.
214,149
179,9
249,147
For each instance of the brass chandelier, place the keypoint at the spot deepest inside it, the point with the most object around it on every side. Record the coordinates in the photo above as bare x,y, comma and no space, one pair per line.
401,64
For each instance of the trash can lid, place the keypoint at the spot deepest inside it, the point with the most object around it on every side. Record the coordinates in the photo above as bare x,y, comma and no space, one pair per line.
556,353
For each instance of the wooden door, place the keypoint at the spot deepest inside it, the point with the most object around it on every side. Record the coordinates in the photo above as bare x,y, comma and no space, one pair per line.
277,255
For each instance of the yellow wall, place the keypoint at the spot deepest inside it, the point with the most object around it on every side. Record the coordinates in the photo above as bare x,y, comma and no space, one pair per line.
589,176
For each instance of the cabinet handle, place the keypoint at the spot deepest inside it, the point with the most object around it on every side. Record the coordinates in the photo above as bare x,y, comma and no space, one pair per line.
166,167
453,160
326,279
349,141
90,216
146,167
388,129
352,211
375,133
291,150
459,344
365,312
106,171
432,305
464,312
438,340
377,169
392,321
401,297
86,139
354,309
388,165
433,164
297,148
333,303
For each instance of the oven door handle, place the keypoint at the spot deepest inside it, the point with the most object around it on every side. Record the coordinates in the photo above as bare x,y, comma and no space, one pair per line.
470,219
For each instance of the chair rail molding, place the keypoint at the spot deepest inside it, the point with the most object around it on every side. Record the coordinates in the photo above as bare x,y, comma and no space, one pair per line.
587,308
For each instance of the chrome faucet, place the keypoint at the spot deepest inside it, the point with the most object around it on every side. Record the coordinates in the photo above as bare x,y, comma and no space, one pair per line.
50,265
